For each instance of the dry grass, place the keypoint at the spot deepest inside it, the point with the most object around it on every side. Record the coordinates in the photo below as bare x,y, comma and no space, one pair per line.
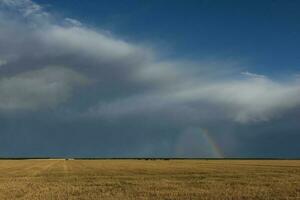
157,179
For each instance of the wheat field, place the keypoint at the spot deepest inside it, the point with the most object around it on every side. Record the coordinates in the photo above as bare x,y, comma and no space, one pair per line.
149,179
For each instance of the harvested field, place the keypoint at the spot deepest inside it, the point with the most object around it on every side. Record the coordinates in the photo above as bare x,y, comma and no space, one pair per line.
150,179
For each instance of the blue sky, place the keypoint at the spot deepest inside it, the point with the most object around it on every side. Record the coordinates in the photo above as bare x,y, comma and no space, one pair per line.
263,34
149,78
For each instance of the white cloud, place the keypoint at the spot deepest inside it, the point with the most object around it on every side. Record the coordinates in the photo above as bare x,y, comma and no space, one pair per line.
252,75
88,43
247,100
25,7
38,89
241,100
130,78
72,22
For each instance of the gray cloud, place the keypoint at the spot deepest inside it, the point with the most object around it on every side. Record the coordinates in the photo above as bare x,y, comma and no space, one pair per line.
148,83
44,88
2,62
195,142
136,100
246,100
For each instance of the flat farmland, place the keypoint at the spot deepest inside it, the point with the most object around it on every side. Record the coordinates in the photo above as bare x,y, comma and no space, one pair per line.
149,179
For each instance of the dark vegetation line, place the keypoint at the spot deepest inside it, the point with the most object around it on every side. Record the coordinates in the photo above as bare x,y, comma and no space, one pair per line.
144,158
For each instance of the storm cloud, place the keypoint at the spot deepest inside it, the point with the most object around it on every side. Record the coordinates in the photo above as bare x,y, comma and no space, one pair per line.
37,89
52,62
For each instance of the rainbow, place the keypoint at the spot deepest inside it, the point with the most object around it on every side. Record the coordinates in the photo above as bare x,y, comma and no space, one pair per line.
217,151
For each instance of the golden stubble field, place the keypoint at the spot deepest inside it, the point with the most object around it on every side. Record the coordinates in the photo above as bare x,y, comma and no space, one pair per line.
152,179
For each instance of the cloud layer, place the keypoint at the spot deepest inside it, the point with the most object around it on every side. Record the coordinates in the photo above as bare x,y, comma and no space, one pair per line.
149,84
37,89
44,60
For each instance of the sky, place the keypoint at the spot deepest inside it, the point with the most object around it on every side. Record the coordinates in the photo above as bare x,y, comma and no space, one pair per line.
149,78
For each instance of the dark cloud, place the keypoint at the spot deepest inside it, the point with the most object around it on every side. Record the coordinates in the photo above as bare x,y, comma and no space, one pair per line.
66,89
